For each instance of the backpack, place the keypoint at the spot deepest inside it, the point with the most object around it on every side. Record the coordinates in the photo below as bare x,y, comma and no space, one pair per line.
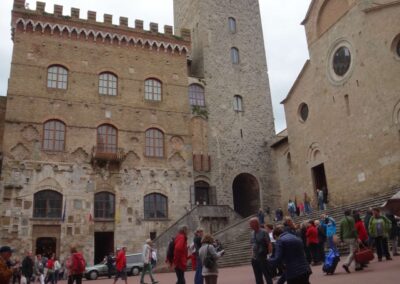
209,261
78,263
170,251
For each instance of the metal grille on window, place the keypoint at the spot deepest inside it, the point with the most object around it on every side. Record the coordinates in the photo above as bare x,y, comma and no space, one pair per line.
54,136
154,143
108,84
196,95
152,90
47,204
104,205
57,77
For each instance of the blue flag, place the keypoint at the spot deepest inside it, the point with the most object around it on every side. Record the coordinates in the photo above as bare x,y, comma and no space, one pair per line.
65,208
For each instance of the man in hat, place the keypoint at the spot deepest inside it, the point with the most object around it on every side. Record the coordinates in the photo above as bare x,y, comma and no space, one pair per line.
5,267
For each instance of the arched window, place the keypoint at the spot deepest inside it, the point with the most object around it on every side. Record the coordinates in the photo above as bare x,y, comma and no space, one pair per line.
106,139
154,143
237,103
47,204
232,25
235,55
57,77
104,205
108,84
53,135
202,192
152,90
155,206
196,95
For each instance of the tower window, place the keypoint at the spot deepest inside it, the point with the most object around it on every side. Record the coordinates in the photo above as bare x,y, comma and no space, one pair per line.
196,95
232,25
57,77
237,103
154,143
54,135
108,84
235,55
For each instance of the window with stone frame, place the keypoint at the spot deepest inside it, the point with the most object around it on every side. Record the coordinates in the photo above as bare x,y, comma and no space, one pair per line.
47,204
108,84
154,143
107,139
235,55
155,206
152,90
237,103
196,95
57,77
341,60
232,25
104,205
398,47
53,136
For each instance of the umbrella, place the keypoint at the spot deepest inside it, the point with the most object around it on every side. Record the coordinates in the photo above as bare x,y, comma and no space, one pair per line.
393,204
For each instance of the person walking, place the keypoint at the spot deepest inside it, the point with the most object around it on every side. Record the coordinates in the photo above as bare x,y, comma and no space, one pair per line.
394,233
198,276
39,268
320,198
329,225
348,235
321,241
278,214
291,208
367,218
50,270
27,267
207,250
290,252
147,257
312,242
77,266
307,204
6,272
379,229
180,254
261,217
121,266
57,269
261,247
110,264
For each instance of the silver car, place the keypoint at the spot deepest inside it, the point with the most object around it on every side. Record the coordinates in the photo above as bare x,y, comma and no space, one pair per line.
134,264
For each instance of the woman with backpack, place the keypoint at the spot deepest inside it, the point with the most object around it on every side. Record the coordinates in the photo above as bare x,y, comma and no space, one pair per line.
208,256
76,267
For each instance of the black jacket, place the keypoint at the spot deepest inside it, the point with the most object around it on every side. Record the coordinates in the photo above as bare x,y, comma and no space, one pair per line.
27,267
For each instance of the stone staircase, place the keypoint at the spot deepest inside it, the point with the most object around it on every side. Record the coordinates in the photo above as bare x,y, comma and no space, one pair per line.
236,238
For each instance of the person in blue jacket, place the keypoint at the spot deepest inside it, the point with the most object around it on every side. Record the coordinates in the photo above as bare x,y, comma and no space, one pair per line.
329,224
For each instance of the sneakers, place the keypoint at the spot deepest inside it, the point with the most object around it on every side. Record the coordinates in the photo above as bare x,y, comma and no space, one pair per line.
345,267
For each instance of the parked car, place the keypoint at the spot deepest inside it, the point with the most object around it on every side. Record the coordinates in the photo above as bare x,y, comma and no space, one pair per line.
134,265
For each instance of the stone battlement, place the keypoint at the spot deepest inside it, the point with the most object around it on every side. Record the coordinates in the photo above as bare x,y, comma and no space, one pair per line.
20,6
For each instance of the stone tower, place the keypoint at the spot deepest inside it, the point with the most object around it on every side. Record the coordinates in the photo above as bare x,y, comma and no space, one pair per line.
228,59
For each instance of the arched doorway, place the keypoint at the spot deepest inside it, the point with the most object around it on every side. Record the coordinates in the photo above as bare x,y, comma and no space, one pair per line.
246,194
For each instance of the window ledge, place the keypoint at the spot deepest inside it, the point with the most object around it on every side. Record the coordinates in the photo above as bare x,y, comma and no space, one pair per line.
46,219
103,220
54,152
156,219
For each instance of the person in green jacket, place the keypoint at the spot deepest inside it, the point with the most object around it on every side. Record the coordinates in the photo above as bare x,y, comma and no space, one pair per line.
379,229
349,235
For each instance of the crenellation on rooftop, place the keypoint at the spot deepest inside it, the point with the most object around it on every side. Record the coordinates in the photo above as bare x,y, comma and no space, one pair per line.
19,6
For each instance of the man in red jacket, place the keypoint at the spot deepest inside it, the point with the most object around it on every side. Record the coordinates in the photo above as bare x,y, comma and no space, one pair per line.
121,266
180,254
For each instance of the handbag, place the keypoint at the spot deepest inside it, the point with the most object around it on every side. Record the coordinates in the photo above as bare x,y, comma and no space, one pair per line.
363,254
209,261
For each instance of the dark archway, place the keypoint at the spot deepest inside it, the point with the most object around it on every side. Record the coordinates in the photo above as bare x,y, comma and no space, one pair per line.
246,194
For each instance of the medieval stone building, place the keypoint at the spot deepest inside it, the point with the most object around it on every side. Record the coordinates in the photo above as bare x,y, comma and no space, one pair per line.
107,138
343,111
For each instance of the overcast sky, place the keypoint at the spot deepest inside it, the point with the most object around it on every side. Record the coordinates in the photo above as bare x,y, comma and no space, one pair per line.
284,36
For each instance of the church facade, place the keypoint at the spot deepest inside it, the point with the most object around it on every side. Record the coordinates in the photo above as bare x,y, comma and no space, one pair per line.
343,111
112,133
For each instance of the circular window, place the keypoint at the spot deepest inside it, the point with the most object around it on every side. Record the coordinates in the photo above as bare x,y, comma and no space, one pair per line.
398,48
303,112
341,61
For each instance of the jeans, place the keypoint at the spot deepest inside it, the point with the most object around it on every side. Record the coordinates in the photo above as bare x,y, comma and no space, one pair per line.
260,268
147,268
382,247
307,208
180,275
350,257
76,278
198,277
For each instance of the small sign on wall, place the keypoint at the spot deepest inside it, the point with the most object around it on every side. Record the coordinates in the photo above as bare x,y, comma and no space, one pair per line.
361,177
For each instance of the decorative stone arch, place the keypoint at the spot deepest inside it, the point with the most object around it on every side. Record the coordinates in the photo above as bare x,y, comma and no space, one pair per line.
153,187
49,183
329,13
104,187
396,115
246,194
315,155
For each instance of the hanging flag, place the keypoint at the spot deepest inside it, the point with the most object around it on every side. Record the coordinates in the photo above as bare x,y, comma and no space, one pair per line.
90,213
64,211
117,215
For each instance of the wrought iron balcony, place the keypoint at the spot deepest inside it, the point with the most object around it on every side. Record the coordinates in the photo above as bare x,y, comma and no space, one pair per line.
108,154
201,163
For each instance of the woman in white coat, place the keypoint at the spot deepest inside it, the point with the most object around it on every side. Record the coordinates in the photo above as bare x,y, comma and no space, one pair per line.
210,273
